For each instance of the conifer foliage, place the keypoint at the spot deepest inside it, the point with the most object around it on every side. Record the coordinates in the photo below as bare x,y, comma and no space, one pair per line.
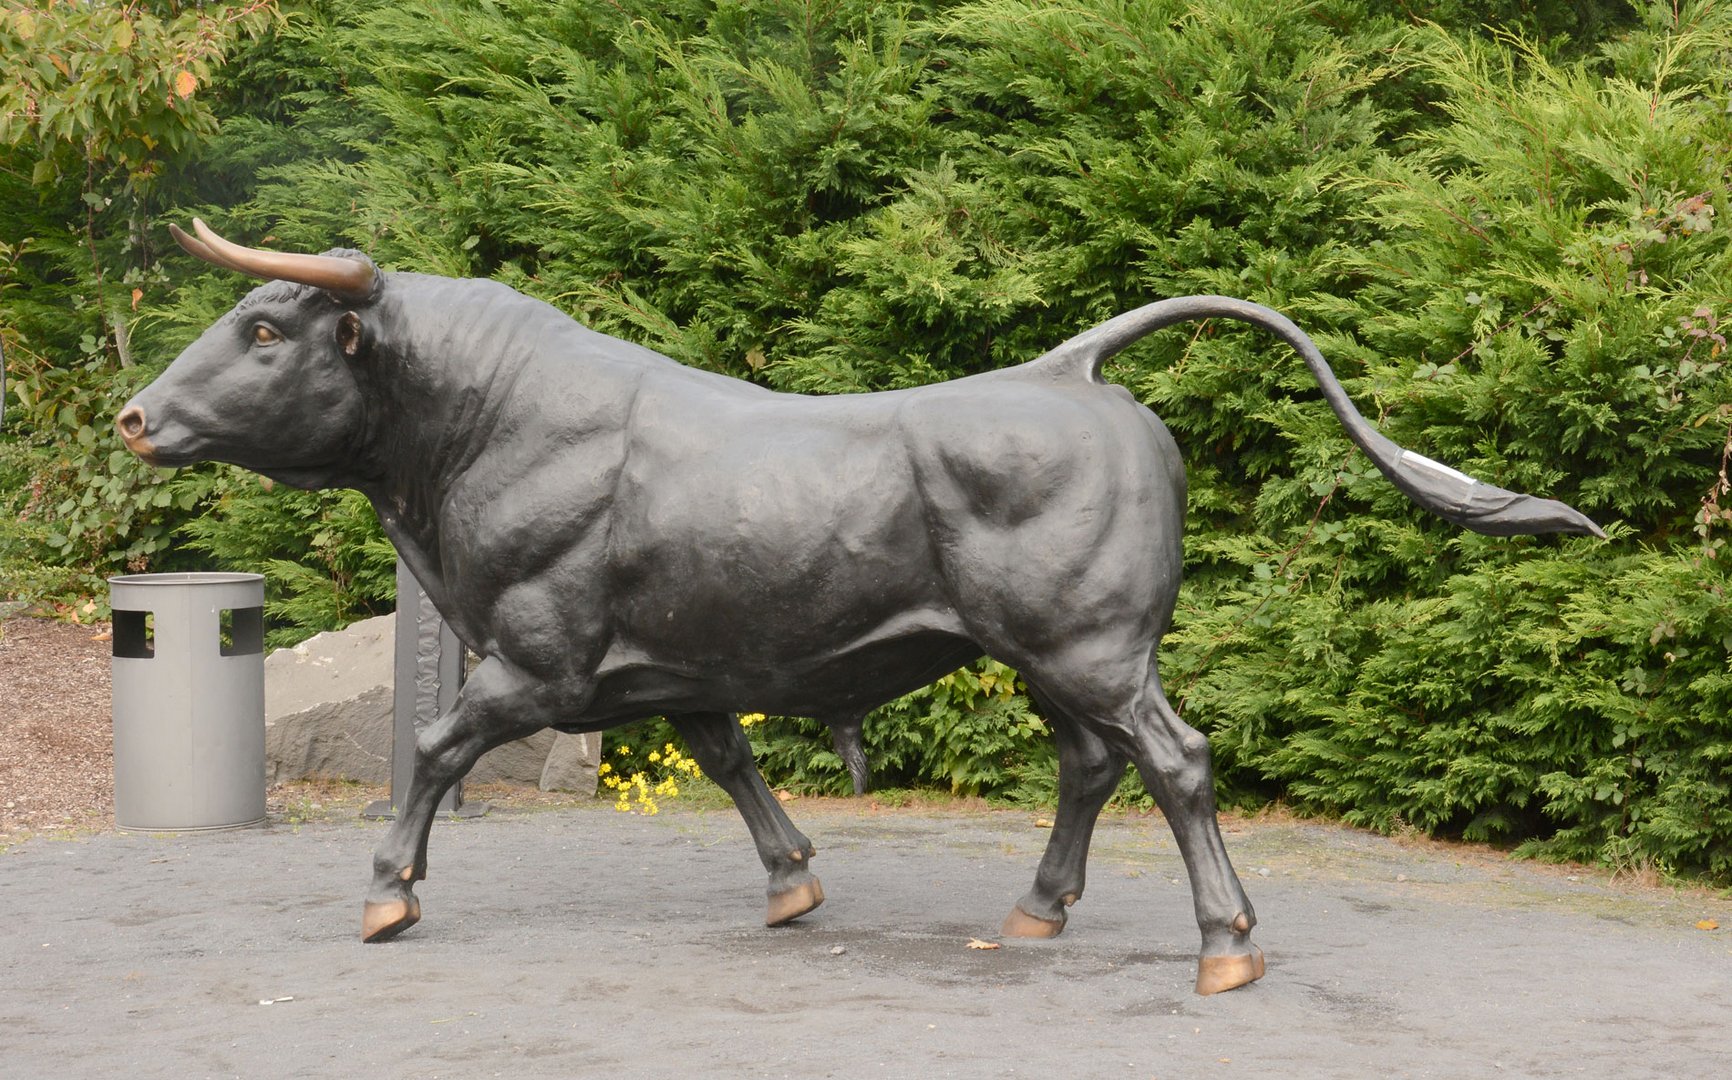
1501,227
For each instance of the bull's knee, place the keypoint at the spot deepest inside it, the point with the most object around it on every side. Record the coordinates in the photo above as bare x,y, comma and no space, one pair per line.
1194,750
433,744
1182,767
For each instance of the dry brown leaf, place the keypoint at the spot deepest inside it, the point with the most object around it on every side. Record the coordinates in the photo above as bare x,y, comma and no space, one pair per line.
1042,823
1707,924
976,943
106,635
185,82
785,796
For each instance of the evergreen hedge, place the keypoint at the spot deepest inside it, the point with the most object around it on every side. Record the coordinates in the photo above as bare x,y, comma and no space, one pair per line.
1503,236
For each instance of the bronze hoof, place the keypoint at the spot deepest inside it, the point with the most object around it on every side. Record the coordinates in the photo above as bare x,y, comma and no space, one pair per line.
384,921
787,906
1020,923
1218,973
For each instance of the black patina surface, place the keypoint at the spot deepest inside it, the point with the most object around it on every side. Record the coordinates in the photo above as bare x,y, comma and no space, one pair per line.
619,536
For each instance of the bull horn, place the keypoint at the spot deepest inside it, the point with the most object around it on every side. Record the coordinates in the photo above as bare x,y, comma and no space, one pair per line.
350,279
197,249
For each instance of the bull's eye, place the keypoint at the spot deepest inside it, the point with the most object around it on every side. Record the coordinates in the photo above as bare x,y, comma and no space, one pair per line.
264,335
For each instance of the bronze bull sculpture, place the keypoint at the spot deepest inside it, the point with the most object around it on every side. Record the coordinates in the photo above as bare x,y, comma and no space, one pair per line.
619,536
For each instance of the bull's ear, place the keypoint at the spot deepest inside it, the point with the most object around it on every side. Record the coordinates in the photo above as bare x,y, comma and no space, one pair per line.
350,337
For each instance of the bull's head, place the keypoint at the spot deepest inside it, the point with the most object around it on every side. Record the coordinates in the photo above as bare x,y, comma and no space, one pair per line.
271,386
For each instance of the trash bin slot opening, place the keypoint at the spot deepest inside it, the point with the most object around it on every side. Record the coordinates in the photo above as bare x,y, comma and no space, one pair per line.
242,631
135,634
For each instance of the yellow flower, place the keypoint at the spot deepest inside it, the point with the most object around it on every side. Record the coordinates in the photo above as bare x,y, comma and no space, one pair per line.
749,719
604,769
624,751
654,757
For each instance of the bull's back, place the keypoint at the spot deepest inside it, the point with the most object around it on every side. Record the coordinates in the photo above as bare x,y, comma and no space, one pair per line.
762,531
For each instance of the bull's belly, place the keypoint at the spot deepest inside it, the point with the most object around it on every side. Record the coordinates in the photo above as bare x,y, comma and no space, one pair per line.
847,679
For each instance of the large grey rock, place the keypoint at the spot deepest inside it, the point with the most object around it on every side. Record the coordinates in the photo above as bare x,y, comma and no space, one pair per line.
328,706
571,763
517,762
328,714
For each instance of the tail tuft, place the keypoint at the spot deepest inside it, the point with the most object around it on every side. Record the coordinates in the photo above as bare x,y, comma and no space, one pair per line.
1473,504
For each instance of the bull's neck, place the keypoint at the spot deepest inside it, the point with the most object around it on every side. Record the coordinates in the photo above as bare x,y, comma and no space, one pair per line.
466,382
440,374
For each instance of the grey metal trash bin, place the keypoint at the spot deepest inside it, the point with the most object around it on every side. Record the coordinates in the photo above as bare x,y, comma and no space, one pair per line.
189,701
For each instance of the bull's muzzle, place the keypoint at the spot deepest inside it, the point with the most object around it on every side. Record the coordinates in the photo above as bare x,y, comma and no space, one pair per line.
131,424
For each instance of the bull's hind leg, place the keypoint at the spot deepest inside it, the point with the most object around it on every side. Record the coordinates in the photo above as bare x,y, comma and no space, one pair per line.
1088,774
1173,758
496,705
720,746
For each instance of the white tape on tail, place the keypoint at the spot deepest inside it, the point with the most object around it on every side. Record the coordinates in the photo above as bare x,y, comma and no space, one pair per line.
1408,457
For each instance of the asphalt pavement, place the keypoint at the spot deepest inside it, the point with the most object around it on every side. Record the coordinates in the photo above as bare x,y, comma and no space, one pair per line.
582,942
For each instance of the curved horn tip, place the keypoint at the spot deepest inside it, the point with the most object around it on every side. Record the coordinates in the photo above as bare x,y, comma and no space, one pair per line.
198,249
352,279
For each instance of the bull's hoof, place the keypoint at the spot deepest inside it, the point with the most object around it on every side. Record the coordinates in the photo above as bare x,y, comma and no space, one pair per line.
384,920
1020,923
790,904
1218,973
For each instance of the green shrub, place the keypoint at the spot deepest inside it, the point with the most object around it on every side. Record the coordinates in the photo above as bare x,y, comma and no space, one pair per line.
96,102
973,732
326,563
1541,308
1504,237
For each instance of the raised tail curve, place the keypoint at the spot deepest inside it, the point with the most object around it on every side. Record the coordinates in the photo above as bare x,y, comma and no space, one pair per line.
1451,495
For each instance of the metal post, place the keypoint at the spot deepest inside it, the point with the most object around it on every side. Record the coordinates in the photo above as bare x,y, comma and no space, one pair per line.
428,667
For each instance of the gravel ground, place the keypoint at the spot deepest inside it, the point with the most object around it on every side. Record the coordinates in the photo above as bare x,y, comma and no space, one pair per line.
56,731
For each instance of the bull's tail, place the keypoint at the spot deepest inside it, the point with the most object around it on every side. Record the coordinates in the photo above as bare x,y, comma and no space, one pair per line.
1451,495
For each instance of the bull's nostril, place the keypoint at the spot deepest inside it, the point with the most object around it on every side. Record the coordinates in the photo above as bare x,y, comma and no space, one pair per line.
130,422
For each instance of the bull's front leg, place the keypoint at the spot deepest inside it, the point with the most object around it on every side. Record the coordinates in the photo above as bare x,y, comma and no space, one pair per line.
720,746
497,704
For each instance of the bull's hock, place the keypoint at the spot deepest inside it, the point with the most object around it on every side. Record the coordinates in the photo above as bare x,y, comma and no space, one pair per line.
328,711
